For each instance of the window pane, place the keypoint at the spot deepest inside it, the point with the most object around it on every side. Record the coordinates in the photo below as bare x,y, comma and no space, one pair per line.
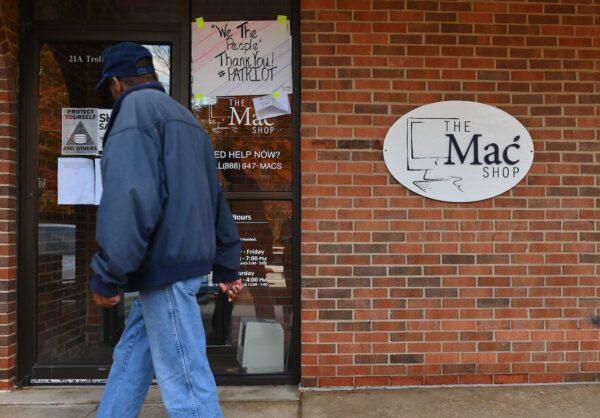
252,154
240,51
265,304
71,329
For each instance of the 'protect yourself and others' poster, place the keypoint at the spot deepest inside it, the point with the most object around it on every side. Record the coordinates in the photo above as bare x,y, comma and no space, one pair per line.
83,129
241,58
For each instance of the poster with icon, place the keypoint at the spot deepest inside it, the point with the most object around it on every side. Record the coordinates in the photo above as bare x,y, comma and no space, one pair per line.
83,130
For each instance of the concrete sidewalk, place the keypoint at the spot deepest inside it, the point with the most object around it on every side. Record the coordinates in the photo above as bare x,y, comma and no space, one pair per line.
82,401
547,401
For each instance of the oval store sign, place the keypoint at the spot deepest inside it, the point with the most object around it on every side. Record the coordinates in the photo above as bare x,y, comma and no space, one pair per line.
458,151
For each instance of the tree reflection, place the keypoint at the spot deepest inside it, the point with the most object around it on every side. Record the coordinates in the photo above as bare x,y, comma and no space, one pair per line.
233,128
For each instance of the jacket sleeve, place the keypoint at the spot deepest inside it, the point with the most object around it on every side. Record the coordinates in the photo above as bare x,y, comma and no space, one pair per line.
130,208
227,258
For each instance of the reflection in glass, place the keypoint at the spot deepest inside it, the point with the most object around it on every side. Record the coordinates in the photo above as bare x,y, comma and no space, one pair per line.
265,229
161,58
71,329
252,154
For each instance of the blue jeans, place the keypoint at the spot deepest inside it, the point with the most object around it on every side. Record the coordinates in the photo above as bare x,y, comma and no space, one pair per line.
163,336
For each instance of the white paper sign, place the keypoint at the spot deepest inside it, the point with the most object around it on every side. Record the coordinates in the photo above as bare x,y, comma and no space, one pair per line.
241,58
76,181
98,181
103,118
458,151
68,269
83,130
271,106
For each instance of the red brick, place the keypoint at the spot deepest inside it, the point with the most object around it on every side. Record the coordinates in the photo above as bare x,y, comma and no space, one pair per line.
533,250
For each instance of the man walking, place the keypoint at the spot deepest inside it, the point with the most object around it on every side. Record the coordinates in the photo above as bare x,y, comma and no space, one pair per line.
163,225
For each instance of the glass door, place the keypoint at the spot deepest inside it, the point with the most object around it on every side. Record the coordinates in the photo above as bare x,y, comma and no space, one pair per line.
73,338
71,329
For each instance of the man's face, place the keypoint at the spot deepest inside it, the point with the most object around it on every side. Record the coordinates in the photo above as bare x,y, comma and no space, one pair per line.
116,88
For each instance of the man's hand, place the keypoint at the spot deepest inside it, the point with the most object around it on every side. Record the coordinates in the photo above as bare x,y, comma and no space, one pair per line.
231,289
105,301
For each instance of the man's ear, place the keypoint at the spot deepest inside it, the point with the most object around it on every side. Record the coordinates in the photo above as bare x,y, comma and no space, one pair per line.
115,82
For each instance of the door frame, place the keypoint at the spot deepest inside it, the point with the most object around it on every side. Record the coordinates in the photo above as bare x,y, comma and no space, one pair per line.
178,35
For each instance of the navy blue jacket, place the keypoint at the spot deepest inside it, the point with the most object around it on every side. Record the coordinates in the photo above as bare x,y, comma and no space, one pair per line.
162,217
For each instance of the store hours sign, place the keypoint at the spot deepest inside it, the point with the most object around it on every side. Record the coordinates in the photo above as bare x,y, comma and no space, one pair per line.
458,151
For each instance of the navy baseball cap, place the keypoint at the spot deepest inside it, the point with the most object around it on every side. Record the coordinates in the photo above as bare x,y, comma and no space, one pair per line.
121,60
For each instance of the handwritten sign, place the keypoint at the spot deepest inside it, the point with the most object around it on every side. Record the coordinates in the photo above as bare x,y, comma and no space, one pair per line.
272,105
241,58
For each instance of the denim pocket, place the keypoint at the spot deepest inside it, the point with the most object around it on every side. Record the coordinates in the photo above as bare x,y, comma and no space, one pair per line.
190,286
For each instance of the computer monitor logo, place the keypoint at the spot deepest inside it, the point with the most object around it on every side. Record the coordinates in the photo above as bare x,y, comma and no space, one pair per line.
427,148
458,151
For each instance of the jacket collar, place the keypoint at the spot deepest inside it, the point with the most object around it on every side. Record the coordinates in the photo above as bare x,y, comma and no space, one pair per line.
117,106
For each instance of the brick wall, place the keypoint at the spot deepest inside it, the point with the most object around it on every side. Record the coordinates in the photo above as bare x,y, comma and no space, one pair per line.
398,289
8,194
